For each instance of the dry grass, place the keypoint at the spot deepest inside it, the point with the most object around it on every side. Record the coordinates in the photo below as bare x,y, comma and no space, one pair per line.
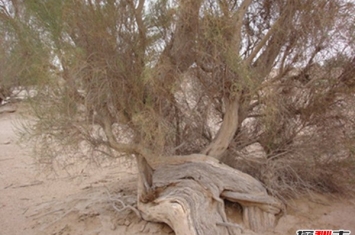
292,176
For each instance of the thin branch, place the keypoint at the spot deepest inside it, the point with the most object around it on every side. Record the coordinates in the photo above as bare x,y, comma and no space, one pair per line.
263,42
138,14
121,147
124,206
239,16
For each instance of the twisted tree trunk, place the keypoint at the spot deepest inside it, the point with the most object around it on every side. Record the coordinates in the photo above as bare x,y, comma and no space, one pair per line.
188,194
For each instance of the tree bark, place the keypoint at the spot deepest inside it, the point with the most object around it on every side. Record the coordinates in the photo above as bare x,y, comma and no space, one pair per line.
188,194
227,130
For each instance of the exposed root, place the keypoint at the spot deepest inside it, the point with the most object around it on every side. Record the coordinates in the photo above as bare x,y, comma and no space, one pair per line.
124,206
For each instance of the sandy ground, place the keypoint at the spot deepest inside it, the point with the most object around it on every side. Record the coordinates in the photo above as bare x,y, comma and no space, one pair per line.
33,203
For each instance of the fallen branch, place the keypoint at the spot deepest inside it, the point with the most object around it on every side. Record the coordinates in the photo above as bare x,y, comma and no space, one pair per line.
123,205
60,218
29,185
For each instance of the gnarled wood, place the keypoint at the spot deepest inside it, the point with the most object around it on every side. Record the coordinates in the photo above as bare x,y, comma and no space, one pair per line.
189,196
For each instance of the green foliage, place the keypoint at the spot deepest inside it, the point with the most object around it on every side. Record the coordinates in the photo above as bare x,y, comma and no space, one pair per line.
24,57
158,74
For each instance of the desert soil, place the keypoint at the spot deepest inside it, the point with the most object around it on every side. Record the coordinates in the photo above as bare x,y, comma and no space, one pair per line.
87,200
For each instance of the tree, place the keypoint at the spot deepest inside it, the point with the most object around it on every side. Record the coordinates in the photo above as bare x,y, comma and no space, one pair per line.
22,57
183,86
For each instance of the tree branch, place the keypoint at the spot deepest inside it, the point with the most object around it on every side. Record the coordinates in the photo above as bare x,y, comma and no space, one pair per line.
138,14
239,16
227,130
121,147
262,43
181,51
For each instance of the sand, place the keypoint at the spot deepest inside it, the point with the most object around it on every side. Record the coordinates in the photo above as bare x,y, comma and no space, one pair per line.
88,201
